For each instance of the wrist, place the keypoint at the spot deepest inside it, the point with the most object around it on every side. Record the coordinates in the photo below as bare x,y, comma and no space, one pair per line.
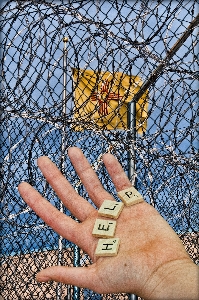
176,280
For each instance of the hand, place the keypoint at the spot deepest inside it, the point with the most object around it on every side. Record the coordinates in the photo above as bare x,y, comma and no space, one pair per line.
151,261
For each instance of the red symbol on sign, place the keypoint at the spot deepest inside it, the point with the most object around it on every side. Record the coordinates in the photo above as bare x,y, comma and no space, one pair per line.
103,97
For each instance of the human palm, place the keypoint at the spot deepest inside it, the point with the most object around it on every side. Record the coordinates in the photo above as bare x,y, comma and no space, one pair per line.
149,249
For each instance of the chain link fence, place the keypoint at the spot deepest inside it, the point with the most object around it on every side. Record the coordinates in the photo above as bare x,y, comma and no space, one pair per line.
105,76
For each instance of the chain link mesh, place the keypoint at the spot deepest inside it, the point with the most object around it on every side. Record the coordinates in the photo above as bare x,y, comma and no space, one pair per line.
151,44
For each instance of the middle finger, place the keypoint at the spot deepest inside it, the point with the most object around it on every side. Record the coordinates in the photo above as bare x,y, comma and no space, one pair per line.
88,177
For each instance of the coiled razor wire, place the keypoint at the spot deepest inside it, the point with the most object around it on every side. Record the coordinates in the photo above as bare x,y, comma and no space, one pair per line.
156,41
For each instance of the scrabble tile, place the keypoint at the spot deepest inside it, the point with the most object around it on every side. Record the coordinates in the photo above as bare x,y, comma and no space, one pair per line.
107,247
130,196
104,228
111,209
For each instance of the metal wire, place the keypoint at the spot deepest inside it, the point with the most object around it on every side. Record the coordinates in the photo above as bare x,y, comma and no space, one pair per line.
155,41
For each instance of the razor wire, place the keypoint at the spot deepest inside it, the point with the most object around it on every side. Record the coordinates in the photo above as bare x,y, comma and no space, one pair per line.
155,41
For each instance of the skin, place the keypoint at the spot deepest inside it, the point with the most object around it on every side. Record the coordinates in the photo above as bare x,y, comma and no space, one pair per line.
151,261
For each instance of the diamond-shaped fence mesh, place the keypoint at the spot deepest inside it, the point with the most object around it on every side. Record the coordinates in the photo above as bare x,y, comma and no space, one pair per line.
105,76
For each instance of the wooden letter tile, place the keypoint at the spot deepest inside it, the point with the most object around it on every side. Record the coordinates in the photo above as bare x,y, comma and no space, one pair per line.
104,228
111,209
130,196
107,247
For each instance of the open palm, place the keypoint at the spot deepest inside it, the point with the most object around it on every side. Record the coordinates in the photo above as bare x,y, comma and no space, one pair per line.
149,249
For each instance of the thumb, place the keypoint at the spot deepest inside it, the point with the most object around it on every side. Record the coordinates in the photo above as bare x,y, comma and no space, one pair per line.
81,277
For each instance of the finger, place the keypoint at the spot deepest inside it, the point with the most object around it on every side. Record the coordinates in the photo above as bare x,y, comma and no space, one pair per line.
77,205
58,221
88,177
116,172
81,277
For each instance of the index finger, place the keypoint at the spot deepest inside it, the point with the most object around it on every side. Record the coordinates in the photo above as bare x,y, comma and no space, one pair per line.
116,172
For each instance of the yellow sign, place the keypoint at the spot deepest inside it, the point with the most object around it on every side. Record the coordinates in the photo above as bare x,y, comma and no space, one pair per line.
102,98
